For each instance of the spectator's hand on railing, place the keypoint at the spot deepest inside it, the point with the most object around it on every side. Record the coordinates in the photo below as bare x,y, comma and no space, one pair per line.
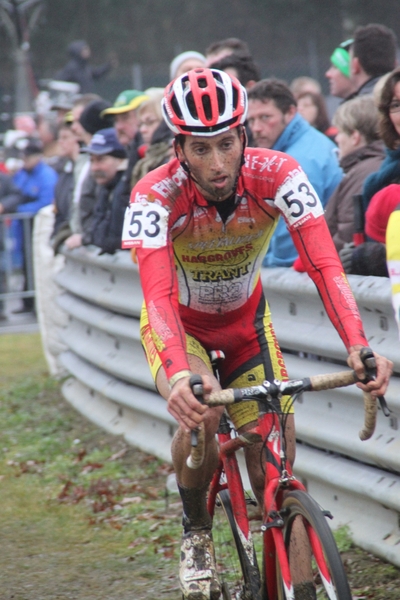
74,241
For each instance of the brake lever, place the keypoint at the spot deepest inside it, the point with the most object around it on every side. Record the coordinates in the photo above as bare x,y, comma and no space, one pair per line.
369,362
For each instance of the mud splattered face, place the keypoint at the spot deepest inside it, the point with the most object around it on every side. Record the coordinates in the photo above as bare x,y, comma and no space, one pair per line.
214,162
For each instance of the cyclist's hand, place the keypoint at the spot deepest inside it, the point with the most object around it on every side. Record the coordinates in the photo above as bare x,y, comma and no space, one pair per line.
384,368
184,407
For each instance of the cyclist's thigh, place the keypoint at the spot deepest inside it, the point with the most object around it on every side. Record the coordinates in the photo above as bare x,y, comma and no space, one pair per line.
197,356
256,357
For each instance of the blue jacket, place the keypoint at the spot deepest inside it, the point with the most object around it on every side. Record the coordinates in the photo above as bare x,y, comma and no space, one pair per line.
317,155
37,187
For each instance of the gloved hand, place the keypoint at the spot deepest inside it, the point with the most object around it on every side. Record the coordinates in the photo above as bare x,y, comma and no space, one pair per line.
345,256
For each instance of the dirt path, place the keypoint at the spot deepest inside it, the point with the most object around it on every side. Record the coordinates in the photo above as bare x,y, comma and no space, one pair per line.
85,517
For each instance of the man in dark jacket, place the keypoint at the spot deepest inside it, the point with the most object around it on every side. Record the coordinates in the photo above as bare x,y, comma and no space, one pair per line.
78,69
107,165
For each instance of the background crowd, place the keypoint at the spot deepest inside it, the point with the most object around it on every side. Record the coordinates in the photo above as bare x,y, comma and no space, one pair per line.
83,154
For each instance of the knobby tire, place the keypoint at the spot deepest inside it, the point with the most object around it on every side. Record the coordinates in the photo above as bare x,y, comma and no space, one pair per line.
240,578
300,504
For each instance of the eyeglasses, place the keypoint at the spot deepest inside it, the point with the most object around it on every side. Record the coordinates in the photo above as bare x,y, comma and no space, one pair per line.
394,106
148,123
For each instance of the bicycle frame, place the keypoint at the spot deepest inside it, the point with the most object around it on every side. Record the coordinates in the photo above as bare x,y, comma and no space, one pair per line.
277,481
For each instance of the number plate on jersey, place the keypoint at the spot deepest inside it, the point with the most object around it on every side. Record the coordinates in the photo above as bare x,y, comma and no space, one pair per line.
145,226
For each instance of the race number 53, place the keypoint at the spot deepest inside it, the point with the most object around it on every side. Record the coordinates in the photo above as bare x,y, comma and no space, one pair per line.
298,199
145,226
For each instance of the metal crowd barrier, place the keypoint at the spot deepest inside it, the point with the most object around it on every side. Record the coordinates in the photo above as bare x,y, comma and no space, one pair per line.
99,347
16,256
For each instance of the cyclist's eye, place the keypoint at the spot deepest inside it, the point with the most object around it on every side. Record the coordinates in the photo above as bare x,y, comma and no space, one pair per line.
394,106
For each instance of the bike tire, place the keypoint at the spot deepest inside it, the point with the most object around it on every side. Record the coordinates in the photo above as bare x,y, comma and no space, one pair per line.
300,504
237,568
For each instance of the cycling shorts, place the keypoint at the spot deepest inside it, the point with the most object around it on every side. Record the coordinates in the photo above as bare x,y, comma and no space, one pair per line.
247,338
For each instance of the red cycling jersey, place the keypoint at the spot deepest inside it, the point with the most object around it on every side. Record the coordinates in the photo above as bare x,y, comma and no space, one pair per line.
191,261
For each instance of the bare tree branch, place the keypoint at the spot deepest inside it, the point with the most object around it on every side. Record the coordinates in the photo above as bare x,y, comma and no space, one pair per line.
8,25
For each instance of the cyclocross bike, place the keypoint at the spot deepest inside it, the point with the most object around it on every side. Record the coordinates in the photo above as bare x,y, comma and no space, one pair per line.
285,498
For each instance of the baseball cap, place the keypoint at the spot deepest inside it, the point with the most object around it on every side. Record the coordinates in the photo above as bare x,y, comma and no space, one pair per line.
126,101
29,145
341,58
105,141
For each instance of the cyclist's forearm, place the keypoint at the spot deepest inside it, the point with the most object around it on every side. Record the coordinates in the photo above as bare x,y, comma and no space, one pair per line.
323,265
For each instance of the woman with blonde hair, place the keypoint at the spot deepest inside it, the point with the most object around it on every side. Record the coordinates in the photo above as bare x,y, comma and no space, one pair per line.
360,153
155,133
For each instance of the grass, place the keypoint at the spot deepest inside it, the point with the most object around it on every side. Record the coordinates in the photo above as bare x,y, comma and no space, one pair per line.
85,517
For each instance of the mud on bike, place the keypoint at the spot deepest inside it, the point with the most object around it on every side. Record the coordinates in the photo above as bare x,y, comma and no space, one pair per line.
286,500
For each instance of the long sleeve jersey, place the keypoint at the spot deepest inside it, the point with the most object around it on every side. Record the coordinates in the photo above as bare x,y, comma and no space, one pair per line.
193,263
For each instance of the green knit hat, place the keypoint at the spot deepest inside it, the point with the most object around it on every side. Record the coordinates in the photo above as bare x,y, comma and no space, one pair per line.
341,57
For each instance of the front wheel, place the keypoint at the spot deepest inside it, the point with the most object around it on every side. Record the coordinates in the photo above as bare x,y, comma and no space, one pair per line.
235,556
328,573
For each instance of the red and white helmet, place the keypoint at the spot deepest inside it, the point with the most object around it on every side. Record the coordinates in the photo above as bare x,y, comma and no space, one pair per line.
204,102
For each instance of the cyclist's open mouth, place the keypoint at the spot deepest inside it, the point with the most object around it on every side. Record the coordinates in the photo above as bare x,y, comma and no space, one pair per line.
220,182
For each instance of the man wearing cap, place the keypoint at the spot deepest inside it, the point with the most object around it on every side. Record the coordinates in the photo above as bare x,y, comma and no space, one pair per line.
126,125
108,162
36,181
338,73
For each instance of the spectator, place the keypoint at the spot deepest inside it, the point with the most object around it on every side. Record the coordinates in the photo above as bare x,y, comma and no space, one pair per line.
389,125
36,181
156,134
276,124
303,85
338,73
372,54
360,152
222,48
83,200
185,62
241,67
369,258
78,69
312,108
47,131
246,71
69,149
126,123
10,198
107,165
393,259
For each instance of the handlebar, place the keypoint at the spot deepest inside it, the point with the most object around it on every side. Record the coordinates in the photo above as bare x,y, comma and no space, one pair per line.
276,389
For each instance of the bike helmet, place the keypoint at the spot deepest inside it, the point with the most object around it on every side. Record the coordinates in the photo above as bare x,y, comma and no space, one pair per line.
204,102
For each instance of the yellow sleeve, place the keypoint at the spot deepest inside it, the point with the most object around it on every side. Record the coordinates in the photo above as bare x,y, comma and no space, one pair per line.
393,259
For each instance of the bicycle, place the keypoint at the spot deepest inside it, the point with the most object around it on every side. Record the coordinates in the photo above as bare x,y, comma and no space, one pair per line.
285,498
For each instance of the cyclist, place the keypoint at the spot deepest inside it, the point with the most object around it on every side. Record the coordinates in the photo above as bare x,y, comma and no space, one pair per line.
200,226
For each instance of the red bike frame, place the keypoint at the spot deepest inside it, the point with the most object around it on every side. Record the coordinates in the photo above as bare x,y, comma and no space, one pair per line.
278,480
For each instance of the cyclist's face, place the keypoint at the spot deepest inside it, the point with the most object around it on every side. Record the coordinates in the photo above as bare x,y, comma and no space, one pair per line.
214,162
267,122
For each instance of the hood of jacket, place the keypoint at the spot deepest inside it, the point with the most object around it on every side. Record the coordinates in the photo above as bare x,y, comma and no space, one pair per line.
75,50
375,149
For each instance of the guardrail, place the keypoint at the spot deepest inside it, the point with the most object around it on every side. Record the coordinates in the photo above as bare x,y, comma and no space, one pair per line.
97,343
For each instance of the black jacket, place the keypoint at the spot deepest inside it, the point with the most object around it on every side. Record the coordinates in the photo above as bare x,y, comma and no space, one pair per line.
78,69
109,215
